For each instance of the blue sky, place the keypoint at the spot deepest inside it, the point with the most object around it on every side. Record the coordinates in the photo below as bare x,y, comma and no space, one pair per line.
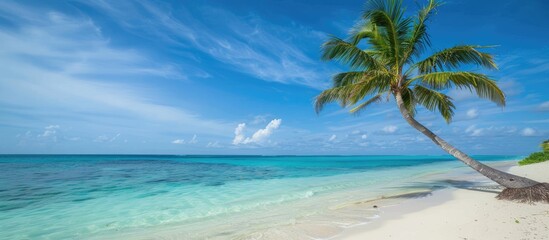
239,77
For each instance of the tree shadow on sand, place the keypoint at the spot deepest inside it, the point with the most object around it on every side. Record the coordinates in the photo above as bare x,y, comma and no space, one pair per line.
447,183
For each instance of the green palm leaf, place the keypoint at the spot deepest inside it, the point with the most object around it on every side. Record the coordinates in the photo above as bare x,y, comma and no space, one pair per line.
387,64
348,53
452,58
480,83
419,39
410,102
388,15
350,94
435,101
356,110
346,78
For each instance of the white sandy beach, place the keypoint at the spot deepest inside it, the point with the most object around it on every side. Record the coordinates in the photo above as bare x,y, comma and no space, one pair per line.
463,214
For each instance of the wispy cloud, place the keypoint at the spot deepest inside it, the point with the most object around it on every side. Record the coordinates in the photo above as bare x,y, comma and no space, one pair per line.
472,113
49,131
528,132
259,119
248,44
390,129
544,106
106,138
214,144
70,69
474,131
491,131
193,140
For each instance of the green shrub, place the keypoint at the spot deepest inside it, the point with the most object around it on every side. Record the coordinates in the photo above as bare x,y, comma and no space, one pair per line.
545,146
535,158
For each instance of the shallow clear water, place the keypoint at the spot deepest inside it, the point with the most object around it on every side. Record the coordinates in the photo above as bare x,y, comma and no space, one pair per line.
198,197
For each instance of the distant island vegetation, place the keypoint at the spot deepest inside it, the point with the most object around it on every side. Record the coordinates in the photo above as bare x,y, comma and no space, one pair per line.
537,157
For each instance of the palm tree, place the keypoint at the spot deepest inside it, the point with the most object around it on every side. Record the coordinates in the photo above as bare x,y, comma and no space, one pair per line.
390,65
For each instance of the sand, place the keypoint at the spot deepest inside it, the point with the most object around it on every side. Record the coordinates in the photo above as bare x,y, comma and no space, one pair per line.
462,214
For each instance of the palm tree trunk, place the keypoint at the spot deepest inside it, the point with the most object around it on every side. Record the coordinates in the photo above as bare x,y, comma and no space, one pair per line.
505,179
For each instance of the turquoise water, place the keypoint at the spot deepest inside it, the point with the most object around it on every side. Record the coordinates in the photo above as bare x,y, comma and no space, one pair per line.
203,197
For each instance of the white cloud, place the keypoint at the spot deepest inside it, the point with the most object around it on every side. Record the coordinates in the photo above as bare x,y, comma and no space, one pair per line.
491,131
332,138
259,136
182,141
472,113
364,136
105,138
390,129
259,119
239,134
49,131
474,131
213,144
528,132
193,140
115,137
262,134
477,132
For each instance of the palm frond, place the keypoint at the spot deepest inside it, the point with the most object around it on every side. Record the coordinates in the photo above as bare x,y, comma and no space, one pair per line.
374,85
435,101
356,110
392,8
328,96
409,100
347,53
365,30
388,65
480,83
419,38
452,58
389,16
346,78
350,94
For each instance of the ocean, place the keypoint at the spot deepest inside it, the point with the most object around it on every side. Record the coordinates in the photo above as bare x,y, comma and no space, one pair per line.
210,197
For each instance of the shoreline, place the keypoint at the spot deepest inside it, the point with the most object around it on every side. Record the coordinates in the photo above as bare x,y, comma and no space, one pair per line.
460,213
337,221
311,207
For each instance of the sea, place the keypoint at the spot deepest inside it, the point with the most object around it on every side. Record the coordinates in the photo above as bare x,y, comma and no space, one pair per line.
214,197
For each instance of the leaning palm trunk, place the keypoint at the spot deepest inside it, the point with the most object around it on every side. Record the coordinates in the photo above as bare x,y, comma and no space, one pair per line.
505,179
391,65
